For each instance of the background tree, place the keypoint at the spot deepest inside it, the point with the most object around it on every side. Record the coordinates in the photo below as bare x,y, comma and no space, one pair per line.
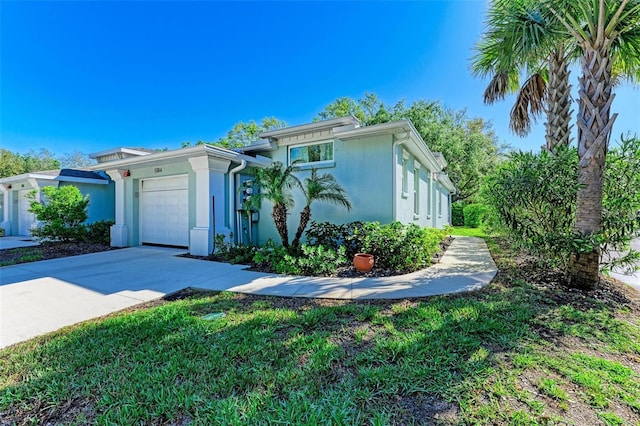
12,163
243,134
275,184
319,188
75,160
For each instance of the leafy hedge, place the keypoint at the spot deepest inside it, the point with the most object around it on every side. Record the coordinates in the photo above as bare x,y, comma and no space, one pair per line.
397,247
533,198
474,215
457,214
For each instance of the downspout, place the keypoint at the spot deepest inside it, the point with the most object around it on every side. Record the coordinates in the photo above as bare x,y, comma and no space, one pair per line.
232,193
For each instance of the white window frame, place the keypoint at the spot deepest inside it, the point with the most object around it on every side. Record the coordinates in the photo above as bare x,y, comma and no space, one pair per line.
315,164
439,199
405,174
416,190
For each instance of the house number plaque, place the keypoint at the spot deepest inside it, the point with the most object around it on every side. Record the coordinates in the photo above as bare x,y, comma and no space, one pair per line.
158,170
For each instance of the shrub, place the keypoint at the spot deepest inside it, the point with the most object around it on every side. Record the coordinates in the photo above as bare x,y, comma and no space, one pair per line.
474,215
321,260
99,232
231,252
276,258
457,214
533,199
334,236
60,213
402,248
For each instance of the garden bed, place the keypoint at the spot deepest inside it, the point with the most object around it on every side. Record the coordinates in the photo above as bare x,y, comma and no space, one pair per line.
345,270
47,251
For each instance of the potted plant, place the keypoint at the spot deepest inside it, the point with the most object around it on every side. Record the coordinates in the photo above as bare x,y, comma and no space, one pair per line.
363,262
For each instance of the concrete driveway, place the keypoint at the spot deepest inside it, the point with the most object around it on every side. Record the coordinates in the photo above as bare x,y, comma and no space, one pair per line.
39,297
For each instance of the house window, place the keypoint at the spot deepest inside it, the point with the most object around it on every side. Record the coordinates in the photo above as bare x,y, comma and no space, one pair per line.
439,200
416,191
429,194
313,153
405,174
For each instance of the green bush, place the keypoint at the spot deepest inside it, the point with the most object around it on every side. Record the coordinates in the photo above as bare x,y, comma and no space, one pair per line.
60,213
99,232
320,260
334,236
533,198
398,247
277,258
457,214
232,253
474,215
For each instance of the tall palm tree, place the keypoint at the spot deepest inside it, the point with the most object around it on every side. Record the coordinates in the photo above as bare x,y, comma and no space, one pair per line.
521,39
321,188
275,184
605,31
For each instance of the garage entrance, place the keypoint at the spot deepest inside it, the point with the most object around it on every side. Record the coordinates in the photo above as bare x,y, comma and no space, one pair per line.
164,211
25,217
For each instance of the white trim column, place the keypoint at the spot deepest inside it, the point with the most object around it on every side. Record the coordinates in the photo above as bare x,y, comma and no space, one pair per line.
209,180
6,222
119,232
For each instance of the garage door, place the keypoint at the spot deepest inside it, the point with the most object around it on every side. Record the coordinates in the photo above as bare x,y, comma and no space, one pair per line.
25,217
164,211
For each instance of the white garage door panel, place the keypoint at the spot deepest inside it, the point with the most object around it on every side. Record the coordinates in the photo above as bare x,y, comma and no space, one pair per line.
25,217
164,211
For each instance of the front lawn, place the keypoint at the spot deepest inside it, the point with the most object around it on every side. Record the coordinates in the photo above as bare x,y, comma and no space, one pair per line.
524,350
465,231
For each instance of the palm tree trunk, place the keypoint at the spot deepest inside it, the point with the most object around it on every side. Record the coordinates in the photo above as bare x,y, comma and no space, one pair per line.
594,130
305,216
280,220
558,127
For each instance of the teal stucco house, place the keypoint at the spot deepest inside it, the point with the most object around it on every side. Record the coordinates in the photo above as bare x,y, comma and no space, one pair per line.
387,171
187,196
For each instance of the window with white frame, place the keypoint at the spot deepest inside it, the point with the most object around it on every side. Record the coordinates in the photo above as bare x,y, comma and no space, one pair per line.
429,193
311,153
416,189
405,174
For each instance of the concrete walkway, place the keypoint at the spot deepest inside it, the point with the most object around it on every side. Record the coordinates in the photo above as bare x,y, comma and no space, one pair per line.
39,297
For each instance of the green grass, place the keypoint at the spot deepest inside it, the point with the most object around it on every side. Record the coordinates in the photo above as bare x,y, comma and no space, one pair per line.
305,361
463,231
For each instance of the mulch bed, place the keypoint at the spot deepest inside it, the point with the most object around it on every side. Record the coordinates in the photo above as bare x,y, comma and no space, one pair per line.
47,251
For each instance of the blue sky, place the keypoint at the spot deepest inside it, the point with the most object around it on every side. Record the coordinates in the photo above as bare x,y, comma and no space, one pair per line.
90,76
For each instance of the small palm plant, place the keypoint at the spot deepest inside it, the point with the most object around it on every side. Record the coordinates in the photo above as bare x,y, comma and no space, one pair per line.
275,183
322,188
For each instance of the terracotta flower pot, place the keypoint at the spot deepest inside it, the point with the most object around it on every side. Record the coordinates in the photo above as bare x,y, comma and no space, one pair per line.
363,262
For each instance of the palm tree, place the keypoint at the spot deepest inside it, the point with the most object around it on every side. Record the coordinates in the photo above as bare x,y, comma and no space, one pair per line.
605,31
275,184
321,188
521,39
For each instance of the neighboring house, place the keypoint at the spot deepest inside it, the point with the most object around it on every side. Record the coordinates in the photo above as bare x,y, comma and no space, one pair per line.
177,198
14,205
388,172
